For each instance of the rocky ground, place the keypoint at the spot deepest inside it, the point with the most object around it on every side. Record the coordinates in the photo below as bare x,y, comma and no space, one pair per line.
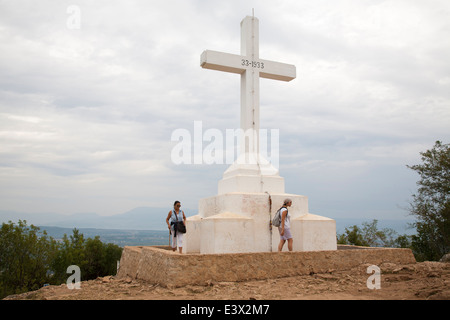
420,281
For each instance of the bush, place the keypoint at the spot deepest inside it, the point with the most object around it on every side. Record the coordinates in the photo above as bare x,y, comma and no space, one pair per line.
30,258
370,236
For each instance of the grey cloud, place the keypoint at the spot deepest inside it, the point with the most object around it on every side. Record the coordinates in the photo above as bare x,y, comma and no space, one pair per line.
107,97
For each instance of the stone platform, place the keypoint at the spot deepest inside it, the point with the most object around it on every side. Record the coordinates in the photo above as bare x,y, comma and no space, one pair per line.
158,265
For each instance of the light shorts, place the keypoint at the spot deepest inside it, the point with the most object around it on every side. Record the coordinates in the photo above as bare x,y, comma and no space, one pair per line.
287,234
178,240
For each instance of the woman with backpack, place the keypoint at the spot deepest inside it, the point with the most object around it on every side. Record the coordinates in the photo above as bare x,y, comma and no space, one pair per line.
285,226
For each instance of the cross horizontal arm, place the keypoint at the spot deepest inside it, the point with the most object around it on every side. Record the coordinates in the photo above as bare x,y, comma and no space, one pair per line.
235,63
221,61
277,71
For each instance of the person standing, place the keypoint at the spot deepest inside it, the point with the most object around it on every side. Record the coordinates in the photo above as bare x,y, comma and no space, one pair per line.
285,226
174,217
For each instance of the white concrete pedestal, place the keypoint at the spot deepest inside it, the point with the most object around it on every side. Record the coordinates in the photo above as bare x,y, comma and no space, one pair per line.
313,233
240,222
238,219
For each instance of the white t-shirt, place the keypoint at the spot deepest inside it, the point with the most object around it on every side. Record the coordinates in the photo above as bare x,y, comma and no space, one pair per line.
287,221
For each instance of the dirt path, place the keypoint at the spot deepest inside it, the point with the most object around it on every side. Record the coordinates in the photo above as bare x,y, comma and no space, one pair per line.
426,280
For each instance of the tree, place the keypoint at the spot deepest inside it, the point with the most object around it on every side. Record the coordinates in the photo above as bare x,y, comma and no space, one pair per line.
101,258
352,236
71,252
29,258
94,258
370,236
25,257
431,204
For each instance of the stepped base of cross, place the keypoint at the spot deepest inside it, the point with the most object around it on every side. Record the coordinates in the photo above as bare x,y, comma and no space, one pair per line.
237,219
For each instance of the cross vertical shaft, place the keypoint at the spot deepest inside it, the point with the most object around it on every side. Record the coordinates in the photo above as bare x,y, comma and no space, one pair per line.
250,86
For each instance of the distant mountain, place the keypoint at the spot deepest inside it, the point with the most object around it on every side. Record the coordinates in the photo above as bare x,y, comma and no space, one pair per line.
116,236
152,218
142,218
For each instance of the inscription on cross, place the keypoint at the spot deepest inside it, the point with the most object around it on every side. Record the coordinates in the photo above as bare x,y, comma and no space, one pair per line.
251,68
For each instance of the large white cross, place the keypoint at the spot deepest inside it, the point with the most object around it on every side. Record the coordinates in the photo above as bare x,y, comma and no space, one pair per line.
251,68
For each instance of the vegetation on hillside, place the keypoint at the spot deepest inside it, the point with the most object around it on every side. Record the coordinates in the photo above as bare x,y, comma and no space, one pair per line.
30,258
369,236
430,206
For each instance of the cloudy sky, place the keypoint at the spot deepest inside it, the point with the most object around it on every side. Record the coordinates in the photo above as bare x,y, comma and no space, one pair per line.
91,92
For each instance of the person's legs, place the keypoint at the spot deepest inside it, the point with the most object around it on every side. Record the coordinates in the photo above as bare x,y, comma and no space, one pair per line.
288,236
290,241
281,244
180,237
174,242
